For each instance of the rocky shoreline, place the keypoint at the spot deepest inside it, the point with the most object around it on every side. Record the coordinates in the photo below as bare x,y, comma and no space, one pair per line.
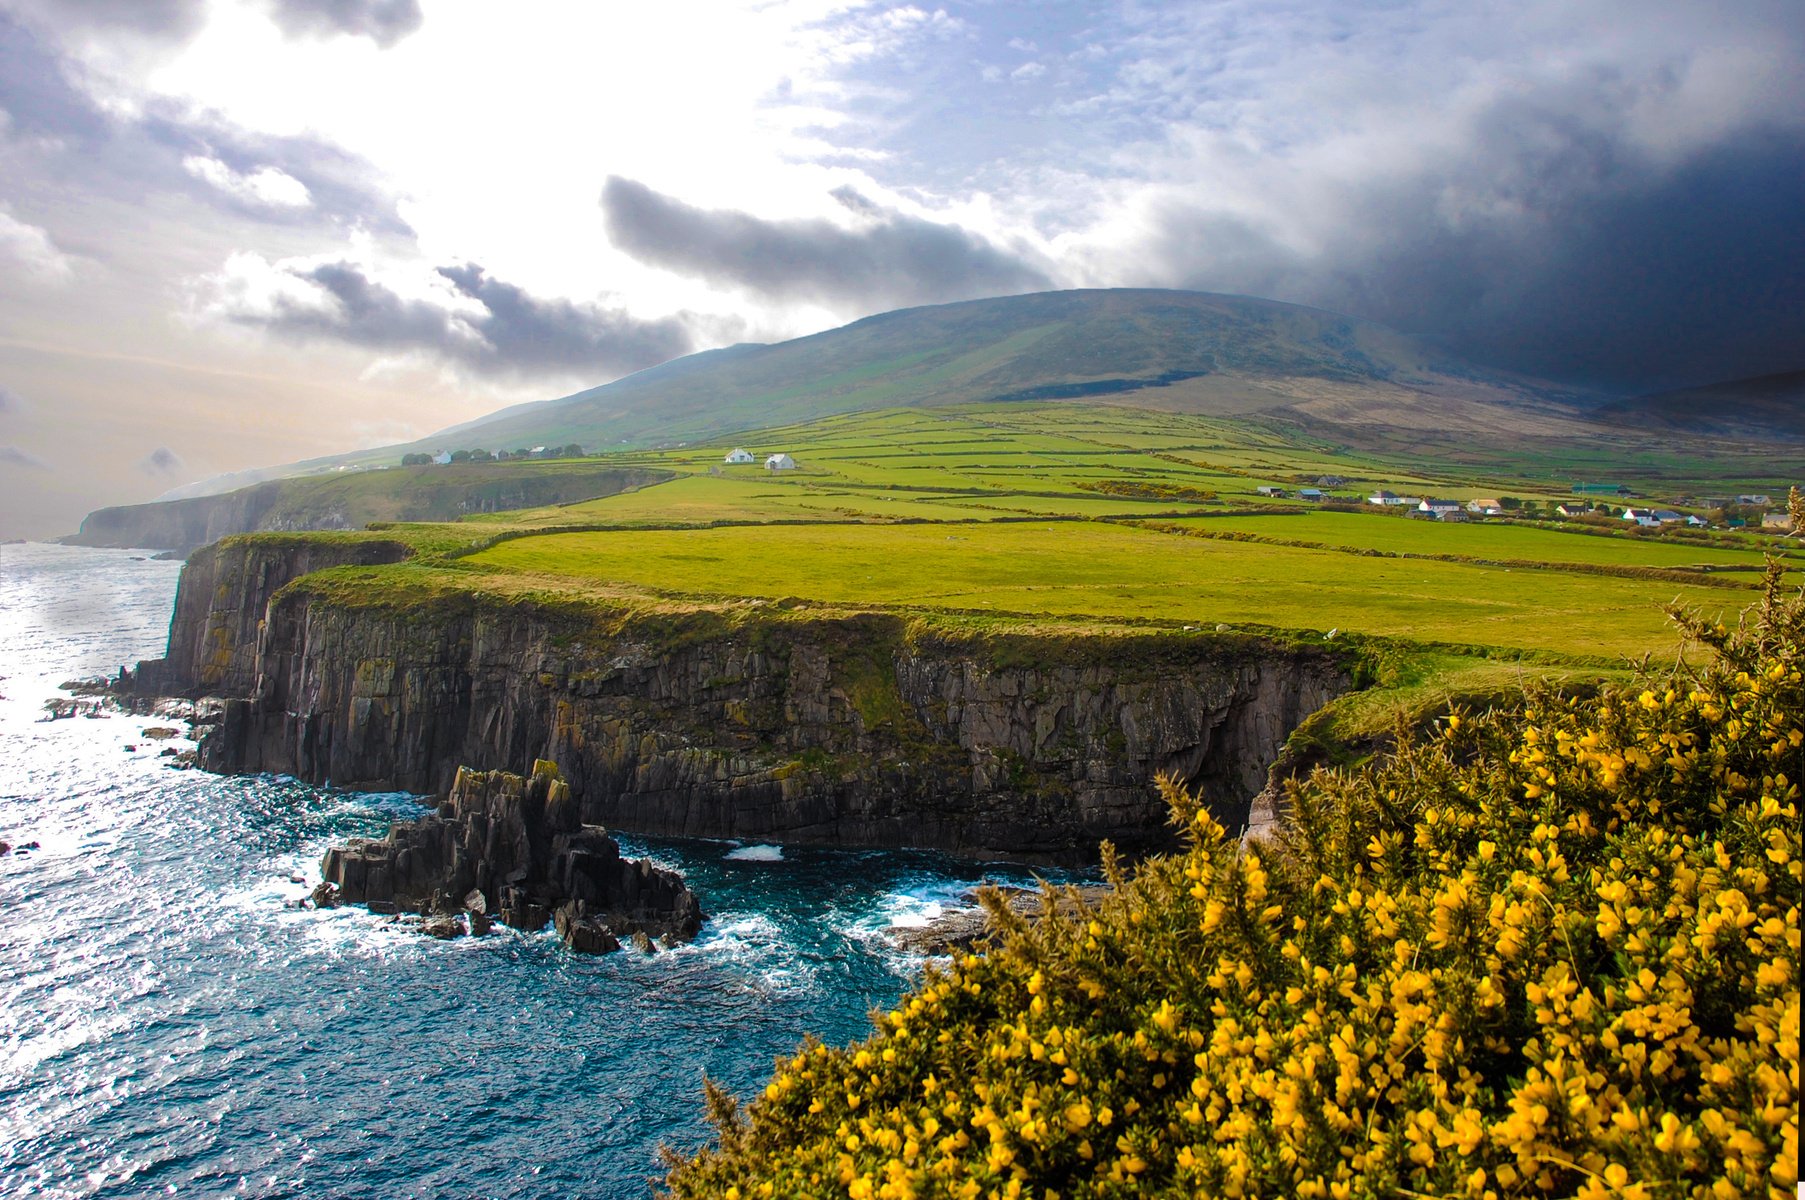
970,925
514,849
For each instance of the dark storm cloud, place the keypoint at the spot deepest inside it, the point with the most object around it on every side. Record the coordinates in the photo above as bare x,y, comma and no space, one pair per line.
1602,270
1629,212
890,261
511,333
69,141
383,21
12,456
161,461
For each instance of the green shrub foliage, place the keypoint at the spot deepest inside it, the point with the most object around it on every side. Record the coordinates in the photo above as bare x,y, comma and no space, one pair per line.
1552,951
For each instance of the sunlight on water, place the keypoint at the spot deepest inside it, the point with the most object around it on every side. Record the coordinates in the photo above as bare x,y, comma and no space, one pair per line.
174,1026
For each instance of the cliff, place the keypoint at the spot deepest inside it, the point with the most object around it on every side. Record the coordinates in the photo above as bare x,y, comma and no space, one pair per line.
749,721
351,501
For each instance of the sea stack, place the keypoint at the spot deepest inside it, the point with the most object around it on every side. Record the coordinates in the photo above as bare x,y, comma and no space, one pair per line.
514,847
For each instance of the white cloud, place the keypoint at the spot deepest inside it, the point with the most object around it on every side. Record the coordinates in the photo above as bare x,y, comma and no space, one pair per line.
266,186
1027,71
30,248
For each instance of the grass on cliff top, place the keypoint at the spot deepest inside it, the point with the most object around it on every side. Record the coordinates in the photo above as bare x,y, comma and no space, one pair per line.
1087,569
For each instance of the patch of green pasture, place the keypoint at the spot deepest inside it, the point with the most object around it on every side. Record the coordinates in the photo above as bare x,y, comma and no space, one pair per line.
1477,539
1088,569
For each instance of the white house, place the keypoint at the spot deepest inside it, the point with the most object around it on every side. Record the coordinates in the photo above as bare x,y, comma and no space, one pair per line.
1382,497
1267,489
780,462
1486,506
739,455
1438,507
1573,510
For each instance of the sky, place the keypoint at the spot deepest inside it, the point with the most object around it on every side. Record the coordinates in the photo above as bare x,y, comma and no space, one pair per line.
238,233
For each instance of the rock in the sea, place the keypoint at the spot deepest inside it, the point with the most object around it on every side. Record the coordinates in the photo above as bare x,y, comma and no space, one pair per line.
521,841
583,931
443,927
325,895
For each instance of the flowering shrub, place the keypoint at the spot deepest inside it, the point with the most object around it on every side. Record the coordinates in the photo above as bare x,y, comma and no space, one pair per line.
1546,952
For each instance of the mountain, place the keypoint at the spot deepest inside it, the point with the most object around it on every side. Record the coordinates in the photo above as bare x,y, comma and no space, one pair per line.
1187,351
1756,409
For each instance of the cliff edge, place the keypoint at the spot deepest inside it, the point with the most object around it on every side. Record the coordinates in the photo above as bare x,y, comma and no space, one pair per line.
747,720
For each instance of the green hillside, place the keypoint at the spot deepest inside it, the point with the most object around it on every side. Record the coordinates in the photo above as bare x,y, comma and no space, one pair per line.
1189,352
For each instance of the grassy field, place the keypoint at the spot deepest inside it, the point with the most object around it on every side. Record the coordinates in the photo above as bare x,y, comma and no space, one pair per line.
1090,569
1076,518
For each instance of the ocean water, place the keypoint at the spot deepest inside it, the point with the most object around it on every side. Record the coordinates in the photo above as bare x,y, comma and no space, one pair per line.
170,1026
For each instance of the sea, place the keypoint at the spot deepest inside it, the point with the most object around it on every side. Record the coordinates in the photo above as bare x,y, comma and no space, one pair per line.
171,1024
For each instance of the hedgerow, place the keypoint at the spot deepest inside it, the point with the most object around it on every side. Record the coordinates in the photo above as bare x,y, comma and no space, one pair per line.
1551,951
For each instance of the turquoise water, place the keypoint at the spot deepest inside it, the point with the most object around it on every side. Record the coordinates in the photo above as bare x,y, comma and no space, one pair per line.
169,1026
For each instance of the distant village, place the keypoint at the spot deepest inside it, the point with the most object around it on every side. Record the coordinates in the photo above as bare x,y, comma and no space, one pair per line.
447,457
1592,501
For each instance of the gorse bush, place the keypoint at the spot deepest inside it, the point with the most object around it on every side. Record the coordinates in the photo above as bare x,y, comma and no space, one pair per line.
1546,952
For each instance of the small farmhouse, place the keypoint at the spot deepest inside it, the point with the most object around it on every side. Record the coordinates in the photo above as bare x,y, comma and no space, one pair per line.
1382,497
780,462
1780,521
1438,507
1755,501
1573,510
1311,494
1330,481
738,455
1267,489
1485,506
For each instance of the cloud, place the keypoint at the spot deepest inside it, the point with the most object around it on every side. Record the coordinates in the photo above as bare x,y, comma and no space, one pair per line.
11,402
161,461
461,314
529,332
12,456
265,186
139,152
164,19
30,249
384,22
888,260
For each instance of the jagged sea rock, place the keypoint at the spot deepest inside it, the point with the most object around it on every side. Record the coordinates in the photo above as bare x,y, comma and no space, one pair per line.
520,839
583,931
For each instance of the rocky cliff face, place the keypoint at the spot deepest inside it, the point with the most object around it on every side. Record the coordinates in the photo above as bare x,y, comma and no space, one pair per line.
858,730
220,605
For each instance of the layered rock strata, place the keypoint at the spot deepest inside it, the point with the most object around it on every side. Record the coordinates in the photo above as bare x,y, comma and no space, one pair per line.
515,848
757,721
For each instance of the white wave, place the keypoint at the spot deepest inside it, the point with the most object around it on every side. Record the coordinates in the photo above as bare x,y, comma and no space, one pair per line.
756,854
